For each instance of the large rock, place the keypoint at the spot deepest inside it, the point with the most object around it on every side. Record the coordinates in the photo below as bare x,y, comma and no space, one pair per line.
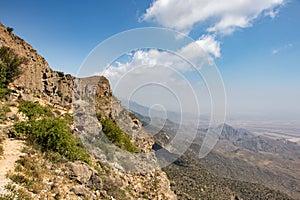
103,88
80,171
84,174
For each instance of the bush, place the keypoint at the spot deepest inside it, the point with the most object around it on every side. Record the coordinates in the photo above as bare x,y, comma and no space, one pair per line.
9,29
34,110
3,111
116,135
21,127
9,68
18,178
52,134
6,109
4,92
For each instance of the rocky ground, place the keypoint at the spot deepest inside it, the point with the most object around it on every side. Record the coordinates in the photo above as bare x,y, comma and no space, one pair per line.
11,153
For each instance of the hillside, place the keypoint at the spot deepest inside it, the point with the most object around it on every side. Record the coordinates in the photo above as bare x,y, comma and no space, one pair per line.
40,109
240,169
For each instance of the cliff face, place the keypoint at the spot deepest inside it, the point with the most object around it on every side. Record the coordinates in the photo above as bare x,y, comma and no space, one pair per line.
39,82
37,77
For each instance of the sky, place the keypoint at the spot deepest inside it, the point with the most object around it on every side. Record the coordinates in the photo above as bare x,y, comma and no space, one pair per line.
255,44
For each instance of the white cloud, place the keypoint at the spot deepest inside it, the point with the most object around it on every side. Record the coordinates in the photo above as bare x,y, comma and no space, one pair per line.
180,60
169,74
223,16
209,44
150,58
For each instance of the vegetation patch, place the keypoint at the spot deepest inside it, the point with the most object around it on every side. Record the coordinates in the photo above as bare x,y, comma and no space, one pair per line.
9,29
15,193
54,135
50,133
29,174
116,135
9,69
3,111
34,110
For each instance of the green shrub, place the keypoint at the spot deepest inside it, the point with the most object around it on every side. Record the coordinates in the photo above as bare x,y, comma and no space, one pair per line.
9,29
116,135
18,178
4,92
9,68
22,127
34,110
3,111
52,134
6,109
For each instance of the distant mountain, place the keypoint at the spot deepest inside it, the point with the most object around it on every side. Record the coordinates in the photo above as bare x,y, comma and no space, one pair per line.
174,116
234,135
244,139
252,167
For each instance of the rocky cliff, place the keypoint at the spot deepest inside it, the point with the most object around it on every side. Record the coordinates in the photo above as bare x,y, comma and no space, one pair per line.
38,82
37,77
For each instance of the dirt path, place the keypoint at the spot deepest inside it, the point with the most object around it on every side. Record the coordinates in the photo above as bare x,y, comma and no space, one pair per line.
12,151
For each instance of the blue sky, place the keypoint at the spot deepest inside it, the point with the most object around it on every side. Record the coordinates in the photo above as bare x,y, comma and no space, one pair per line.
258,53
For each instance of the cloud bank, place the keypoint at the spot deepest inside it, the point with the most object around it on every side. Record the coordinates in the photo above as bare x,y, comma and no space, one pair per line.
219,17
224,16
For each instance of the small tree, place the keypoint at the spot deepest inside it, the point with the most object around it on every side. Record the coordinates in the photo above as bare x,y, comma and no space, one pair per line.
9,29
9,68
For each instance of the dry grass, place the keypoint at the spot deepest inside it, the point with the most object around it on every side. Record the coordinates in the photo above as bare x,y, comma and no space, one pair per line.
30,172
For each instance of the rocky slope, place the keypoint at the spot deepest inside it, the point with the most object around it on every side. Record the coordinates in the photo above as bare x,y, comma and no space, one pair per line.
38,78
64,93
234,170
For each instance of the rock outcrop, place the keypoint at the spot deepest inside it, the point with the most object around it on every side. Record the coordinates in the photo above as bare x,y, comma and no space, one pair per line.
37,77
